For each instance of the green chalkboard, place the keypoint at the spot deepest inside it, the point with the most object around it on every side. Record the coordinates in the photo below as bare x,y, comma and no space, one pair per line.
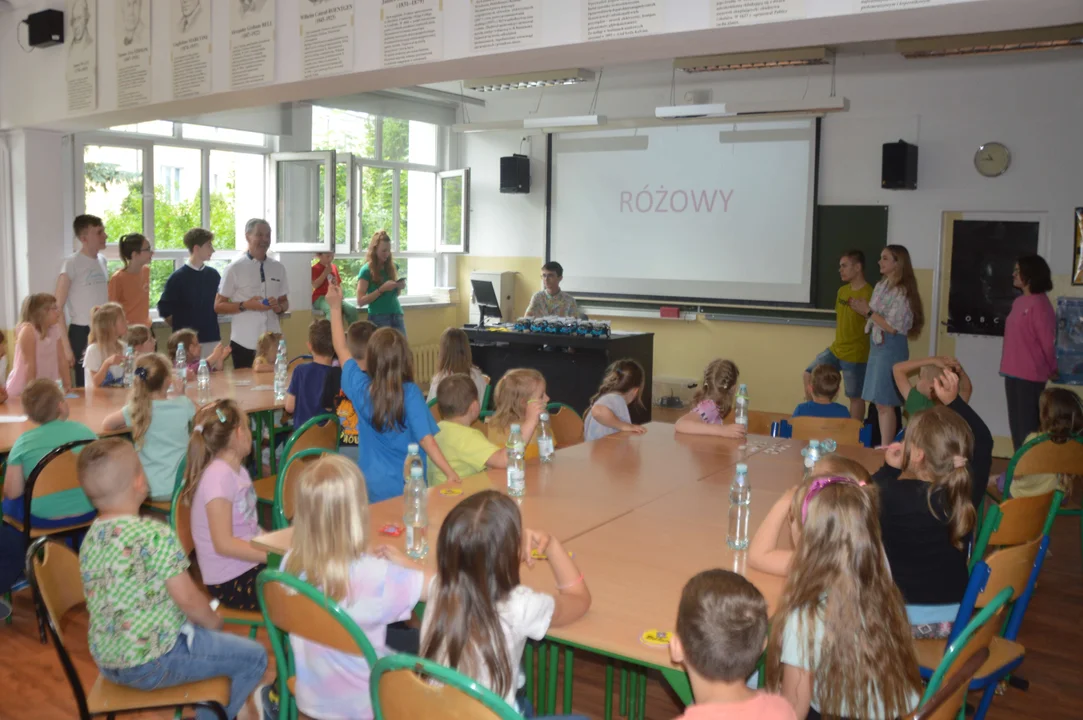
840,228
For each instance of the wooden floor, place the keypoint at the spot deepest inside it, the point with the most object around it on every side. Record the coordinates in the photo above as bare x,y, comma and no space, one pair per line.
33,687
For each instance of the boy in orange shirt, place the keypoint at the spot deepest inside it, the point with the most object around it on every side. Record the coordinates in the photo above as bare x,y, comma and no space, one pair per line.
130,286
721,632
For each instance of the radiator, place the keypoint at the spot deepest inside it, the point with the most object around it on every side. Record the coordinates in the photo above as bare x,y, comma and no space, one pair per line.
425,362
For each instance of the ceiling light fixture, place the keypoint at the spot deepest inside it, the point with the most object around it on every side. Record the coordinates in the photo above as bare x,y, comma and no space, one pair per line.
792,57
1048,38
568,121
526,81
809,106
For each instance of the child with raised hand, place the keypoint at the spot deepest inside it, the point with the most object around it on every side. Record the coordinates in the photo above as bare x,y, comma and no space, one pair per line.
130,286
357,340
193,351
608,413
455,358
1061,414
40,345
840,644
927,516
159,423
772,547
324,275
479,616
465,447
141,340
520,399
391,411
104,358
305,396
713,402
721,630
921,395
823,388
332,551
219,489
266,352
135,569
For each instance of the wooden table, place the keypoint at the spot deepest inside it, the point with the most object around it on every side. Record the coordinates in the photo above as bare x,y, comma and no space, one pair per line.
642,514
254,393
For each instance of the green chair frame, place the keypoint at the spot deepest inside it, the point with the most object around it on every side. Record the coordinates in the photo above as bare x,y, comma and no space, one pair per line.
280,644
278,514
1009,474
443,675
293,439
991,523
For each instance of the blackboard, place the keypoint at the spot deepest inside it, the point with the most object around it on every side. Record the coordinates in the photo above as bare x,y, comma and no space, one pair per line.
840,228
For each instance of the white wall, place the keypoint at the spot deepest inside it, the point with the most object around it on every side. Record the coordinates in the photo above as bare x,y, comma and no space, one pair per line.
948,108
684,29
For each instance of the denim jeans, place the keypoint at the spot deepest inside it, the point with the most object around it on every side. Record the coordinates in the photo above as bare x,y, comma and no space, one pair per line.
206,655
391,320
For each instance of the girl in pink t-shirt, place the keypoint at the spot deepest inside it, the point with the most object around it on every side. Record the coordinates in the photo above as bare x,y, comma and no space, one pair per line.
40,346
223,501
713,402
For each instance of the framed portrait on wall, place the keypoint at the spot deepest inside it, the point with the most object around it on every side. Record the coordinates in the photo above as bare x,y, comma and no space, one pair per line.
1077,256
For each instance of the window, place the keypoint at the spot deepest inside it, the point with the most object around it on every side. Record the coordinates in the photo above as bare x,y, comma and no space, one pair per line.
162,179
394,166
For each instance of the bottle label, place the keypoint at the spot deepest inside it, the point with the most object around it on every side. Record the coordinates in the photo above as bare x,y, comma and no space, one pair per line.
409,536
545,447
516,476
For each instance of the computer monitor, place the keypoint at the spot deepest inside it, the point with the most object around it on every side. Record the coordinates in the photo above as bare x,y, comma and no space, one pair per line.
488,303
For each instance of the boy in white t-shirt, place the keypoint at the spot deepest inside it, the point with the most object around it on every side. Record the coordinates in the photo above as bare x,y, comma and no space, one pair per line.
83,285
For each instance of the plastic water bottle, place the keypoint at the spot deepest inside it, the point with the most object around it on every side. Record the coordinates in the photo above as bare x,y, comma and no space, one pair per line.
811,453
546,443
415,516
129,366
740,415
282,364
413,460
740,499
203,382
180,368
516,465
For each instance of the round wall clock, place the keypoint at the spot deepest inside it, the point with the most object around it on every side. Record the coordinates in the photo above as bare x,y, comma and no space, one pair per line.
992,159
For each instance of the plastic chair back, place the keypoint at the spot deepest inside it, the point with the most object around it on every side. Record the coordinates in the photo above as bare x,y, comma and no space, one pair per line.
566,424
286,489
400,693
844,431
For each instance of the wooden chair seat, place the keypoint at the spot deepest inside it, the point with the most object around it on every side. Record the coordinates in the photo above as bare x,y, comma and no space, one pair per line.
291,683
240,617
265,488
158,506
1001,653
106,697
36,533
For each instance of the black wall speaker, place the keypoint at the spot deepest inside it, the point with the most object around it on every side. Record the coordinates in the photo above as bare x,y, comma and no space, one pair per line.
45,28
899,169
515,174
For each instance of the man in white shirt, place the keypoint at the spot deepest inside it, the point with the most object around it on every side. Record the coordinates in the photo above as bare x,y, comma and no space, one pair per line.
83,285
254,289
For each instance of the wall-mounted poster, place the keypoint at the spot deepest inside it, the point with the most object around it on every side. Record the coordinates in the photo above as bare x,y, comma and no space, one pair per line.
500,25
81,39
327,35
132,44
1077,259
983,253
611,19
251,43
413,31
190,32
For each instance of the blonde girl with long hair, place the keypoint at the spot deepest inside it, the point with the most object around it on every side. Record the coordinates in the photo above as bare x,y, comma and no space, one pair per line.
103,361
713,402
219,490
378,587
520,399
391,410
455,358
894,314
159,423
41,348
379,286
266,352
841,615
622,386
927,514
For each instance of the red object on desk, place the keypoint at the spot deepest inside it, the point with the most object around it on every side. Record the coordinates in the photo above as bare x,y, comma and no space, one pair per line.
669,311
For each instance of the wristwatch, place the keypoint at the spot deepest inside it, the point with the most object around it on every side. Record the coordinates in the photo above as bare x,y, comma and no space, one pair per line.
240,307
869,314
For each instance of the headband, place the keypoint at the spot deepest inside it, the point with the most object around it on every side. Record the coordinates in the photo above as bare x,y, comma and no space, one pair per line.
141,373
817,487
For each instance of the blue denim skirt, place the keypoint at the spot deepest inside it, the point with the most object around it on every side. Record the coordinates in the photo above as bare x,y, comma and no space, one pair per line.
879,381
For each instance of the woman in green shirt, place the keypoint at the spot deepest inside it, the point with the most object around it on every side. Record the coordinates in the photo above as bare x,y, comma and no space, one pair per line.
378,285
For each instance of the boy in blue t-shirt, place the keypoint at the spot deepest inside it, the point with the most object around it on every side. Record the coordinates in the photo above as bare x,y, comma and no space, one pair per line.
304,398
823,388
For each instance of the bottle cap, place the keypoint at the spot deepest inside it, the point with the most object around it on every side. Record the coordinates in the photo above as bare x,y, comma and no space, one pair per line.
742,387
516,427
544,417
412,449
415,472
814,443
742,468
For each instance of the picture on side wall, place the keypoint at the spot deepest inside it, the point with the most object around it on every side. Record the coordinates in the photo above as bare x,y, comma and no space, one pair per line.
1077,257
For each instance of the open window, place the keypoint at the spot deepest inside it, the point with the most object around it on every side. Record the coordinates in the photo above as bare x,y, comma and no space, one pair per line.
305,201
453,212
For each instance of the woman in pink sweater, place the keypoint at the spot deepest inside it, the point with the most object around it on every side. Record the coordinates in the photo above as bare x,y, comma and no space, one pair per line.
1028,360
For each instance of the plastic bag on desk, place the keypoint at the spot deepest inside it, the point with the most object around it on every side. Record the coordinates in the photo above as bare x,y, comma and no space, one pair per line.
1069,344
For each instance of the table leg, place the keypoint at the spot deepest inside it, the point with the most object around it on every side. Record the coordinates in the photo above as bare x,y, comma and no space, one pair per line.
528,669
257,443
642,695
608,714
539,692
569,665
624,691
551,679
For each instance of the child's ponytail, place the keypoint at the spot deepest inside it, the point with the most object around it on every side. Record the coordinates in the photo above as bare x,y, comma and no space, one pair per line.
152,373
947,443
214,426
719,385
620,377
